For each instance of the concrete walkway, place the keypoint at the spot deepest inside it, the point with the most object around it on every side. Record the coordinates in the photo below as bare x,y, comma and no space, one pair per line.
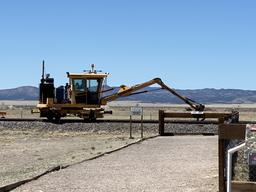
178,164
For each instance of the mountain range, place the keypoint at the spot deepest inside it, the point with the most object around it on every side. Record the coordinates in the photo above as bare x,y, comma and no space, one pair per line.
154,95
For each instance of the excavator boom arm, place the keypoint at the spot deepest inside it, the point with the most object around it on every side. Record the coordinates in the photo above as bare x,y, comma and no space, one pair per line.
124,91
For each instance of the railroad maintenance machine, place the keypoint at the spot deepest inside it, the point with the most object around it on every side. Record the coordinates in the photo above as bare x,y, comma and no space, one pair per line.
84,96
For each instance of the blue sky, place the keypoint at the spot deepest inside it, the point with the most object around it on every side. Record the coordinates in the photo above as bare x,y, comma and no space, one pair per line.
188,43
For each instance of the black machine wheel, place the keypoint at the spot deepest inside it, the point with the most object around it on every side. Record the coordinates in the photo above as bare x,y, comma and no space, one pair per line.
53,117
57,119
50,118
92,116
93,119
86,120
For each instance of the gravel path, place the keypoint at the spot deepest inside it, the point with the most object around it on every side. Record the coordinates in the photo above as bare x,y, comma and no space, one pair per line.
179,164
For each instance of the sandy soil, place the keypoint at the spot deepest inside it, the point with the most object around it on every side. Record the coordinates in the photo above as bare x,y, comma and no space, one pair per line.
27,153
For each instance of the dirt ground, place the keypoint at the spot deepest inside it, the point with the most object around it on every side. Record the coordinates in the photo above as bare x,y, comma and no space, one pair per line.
25,153
28,153
178,164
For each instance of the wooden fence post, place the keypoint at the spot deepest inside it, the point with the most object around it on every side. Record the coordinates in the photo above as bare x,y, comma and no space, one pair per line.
221,144
161,122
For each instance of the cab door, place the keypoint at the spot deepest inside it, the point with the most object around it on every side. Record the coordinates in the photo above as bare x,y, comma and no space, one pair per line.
93,91
79,91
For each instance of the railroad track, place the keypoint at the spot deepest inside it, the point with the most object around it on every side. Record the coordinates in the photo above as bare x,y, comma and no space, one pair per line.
119,121
107,121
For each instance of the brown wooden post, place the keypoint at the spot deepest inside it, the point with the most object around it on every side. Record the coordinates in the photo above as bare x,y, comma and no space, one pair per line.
161,122
221,144
131,127
227,132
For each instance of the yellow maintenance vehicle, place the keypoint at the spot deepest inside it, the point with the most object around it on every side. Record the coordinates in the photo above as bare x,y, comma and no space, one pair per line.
83,95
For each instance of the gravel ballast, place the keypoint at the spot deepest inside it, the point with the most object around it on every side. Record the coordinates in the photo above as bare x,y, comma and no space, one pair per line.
111,127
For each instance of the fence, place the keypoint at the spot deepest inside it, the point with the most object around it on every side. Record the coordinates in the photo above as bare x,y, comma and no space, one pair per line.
227,130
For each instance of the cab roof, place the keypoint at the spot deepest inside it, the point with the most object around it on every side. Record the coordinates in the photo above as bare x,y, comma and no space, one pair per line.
86,75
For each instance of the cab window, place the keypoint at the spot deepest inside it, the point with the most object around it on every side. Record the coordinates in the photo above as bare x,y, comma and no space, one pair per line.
92,85
79,85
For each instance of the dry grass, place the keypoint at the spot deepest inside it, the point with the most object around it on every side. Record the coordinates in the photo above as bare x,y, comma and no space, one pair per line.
27,153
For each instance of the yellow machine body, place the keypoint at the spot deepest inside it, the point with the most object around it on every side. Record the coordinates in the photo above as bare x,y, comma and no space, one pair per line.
82,96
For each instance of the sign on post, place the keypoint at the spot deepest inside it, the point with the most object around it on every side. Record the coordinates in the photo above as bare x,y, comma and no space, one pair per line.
137,110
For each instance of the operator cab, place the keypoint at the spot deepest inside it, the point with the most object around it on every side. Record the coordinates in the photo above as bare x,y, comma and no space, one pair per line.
86,88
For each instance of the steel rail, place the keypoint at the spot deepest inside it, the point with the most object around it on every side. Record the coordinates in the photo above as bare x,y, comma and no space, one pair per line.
107,121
